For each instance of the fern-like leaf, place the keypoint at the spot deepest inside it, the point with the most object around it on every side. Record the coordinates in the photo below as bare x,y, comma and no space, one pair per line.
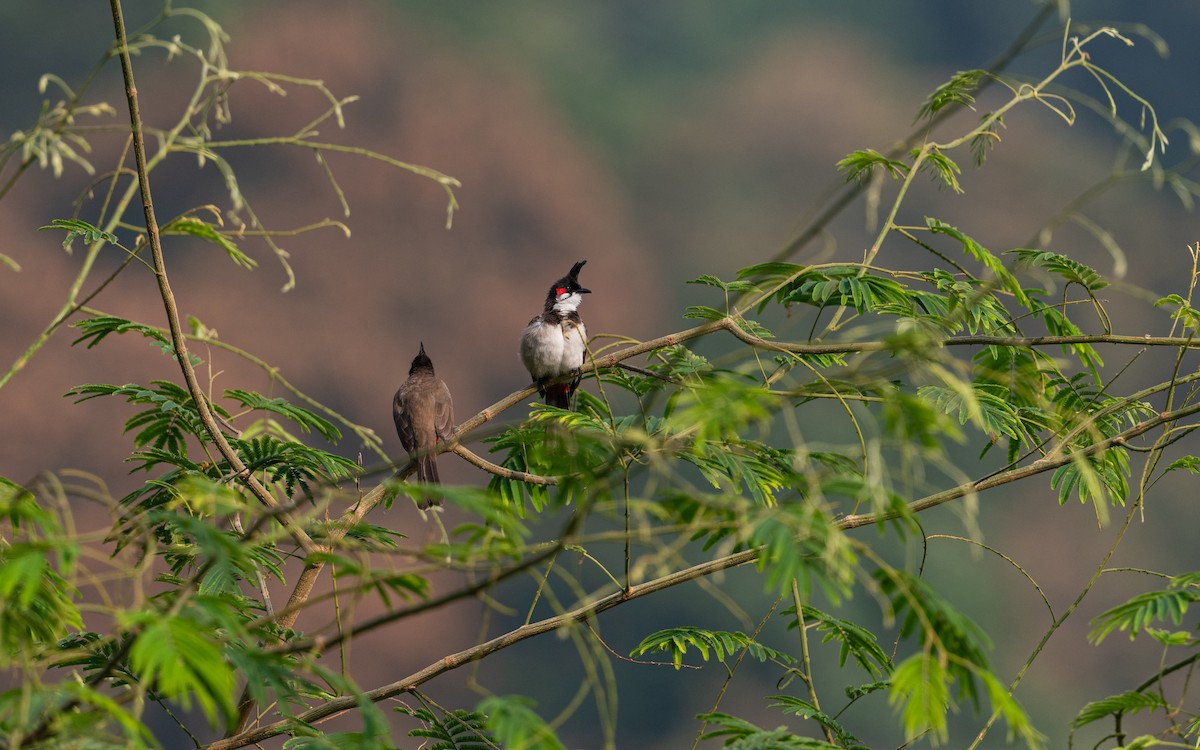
989,260
854,640
76,228
960,644
182,661
958,91
457,730
193,227
1117,705
307,420
1143,609
721,644
1066,268
739,286
942,169
805,710
514,724
860,165
96,328
740,734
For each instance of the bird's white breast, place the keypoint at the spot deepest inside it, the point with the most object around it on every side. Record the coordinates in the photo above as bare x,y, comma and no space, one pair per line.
551,349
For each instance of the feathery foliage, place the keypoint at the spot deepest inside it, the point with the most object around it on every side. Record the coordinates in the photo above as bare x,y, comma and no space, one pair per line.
808,400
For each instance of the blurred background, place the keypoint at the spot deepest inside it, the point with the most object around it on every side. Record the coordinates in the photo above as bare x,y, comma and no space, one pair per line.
658,141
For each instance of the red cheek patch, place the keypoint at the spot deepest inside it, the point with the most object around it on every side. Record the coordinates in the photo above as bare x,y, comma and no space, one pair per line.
560,290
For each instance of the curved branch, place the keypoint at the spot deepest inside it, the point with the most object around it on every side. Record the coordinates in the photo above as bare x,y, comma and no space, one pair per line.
479,461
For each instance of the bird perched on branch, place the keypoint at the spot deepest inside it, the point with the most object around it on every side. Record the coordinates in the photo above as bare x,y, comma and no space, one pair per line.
424,414
554,345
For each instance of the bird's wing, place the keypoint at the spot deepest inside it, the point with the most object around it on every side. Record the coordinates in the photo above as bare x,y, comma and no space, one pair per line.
403,418
443,417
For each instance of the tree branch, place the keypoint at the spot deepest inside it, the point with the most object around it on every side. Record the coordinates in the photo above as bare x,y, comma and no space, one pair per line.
178,341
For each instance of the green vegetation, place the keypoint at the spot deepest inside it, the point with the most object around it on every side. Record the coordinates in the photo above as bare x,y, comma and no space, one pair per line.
669,471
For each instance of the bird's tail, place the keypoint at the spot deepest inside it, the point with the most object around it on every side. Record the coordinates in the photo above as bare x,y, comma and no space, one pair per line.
559,394
427,472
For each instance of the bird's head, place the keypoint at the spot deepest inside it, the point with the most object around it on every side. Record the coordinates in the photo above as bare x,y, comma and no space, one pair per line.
421,361
566,293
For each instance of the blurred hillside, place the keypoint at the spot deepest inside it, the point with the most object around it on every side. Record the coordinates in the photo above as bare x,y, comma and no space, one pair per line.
658,141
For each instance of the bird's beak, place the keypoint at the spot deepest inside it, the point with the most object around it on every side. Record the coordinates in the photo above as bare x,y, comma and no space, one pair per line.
581,290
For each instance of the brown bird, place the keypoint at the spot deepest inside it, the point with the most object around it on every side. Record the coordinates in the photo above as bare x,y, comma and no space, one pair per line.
424,414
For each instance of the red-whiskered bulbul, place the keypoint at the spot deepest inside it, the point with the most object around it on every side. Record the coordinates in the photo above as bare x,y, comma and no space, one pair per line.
424,414
554,343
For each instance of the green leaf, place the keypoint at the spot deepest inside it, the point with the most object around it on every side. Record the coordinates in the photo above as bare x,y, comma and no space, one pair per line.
805,710
1187,463
772,271
1082,408
958,91
96,328
182,661
758,469
859,165
193,227
91,723
987,138
921,692
1184,311
986,405
514,724
703,312
76,228
38,603
457,730
678,361
848,286
955,645
800,542
942,168
294,464
1143,609
1069,269
722,644
171,419
959,301
498,534
271,676
1117,705
989,260
306,419
854,640
375,734
743,735
736,287
1015,717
